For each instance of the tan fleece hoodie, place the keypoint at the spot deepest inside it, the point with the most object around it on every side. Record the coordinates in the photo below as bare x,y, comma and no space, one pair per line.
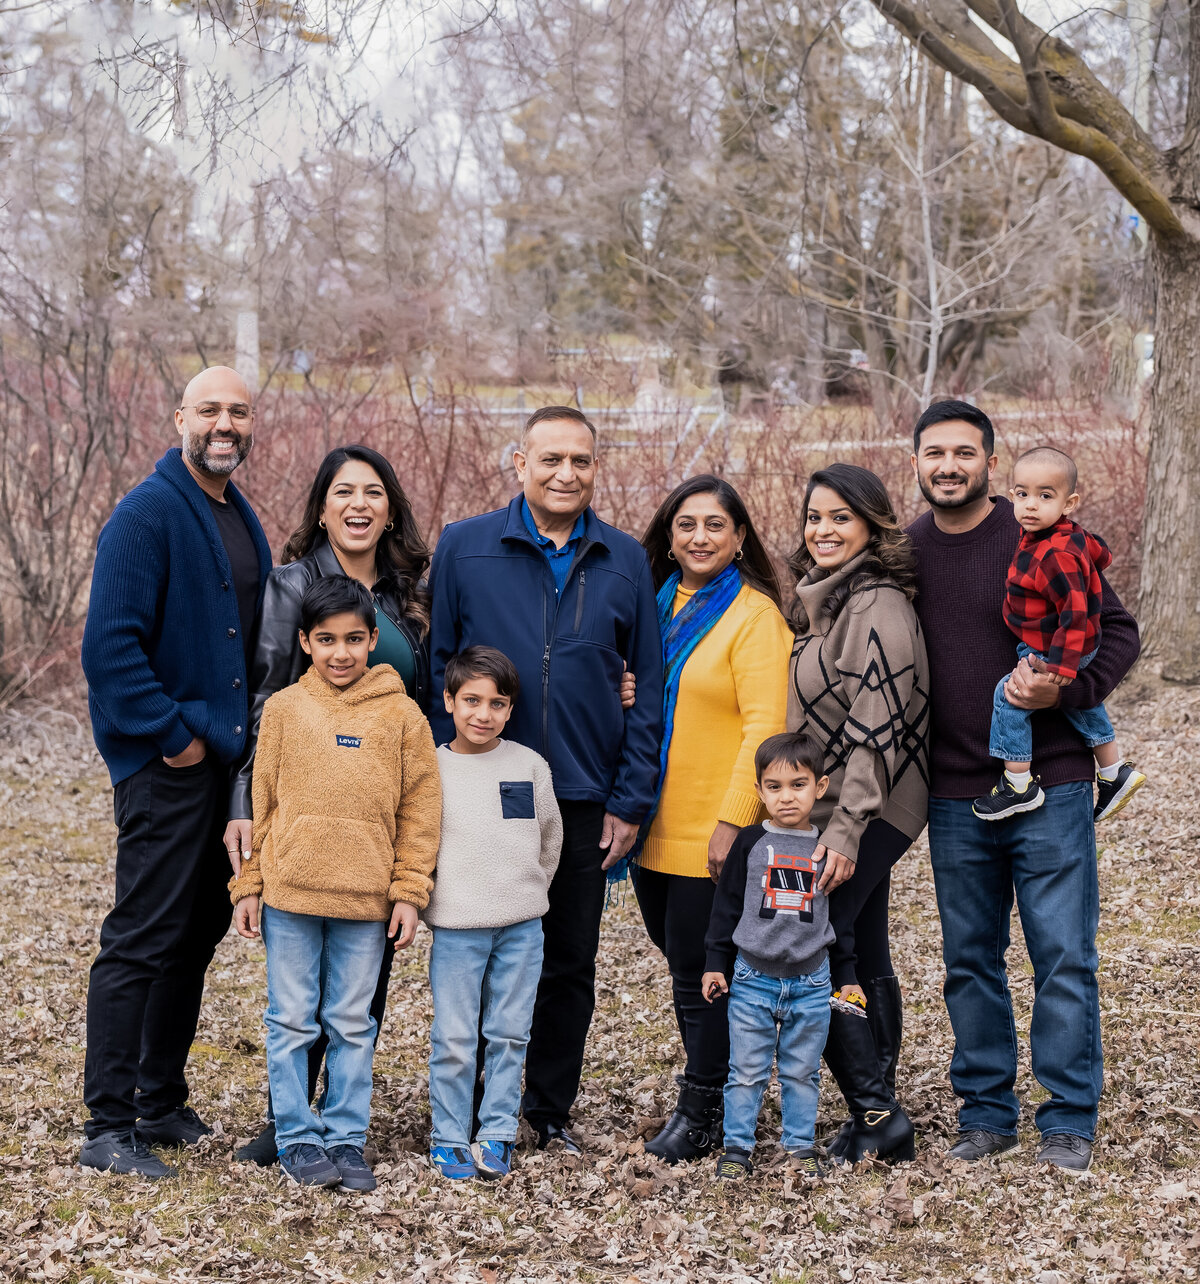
347,800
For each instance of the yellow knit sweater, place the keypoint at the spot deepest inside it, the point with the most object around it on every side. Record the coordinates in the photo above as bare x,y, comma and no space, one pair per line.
732,696
347,800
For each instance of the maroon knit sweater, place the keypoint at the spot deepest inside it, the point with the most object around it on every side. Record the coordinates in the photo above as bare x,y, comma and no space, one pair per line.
960,601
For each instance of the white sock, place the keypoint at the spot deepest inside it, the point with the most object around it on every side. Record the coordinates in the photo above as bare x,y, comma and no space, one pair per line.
1019,779
1109,774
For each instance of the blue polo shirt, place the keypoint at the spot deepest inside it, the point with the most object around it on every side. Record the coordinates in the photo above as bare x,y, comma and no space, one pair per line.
560,559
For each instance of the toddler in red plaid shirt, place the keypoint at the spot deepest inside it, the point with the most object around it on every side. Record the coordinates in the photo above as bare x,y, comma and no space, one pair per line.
1052,604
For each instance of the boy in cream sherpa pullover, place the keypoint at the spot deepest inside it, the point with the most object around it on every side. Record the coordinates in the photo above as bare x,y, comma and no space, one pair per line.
347,814
501,838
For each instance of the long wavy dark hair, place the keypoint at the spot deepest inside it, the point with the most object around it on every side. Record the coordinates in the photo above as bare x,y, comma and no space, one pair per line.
889,553
755,566
401,556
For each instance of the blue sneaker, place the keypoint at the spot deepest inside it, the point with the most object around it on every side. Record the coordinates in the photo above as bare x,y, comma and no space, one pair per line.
309,1165
495,1159
453,1162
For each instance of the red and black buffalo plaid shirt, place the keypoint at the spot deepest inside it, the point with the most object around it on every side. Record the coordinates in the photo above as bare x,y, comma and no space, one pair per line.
1052,602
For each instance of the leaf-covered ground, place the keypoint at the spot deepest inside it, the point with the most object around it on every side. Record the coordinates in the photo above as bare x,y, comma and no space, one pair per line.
613,1214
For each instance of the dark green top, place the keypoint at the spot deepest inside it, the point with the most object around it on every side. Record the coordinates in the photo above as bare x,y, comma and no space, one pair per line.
395,649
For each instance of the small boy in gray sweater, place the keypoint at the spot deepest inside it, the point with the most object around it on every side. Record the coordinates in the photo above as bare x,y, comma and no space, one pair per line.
770,929
501,839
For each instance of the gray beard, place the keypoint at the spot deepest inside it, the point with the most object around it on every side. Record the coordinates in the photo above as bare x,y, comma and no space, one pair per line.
938,500
195,448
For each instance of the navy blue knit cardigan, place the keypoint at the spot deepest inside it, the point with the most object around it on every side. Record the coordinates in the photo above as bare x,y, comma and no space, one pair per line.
162,648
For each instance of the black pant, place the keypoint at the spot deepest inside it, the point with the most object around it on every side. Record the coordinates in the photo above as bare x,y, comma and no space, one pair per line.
157,941
858,910
566,995
676,910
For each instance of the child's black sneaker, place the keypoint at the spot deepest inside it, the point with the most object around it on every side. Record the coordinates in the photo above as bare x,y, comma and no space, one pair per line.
353,1169
1112,795
1005,800
733,1164
806,1164
309,1165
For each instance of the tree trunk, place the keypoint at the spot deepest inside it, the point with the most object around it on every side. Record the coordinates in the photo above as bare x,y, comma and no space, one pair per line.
1169,604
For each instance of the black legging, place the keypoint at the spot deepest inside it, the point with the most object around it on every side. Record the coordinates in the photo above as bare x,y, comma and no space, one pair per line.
858,910
676,909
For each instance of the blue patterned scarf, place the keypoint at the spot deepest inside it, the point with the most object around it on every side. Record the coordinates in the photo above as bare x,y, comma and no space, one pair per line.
682,633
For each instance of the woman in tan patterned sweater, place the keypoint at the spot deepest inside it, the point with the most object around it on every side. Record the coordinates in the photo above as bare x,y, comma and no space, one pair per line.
859,683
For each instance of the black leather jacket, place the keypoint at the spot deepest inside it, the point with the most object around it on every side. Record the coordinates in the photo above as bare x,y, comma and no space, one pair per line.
278,660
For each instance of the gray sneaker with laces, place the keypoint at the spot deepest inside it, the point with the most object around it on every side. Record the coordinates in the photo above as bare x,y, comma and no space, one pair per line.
124,1152
978,1144
1065,1150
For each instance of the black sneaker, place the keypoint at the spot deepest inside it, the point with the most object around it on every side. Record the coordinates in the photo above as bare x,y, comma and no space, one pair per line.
124,1152
806,1164
1065,1150
309,1165
1112,795
1005,801
262,1151
978,1144
182,1127
733,1164
354,1170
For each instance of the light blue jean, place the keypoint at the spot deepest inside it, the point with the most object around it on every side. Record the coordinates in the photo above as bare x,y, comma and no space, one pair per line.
491,971
321,974
772,1018
1012,735
1048,862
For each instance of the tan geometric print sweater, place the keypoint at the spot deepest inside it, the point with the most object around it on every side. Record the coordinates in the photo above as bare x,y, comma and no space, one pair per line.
347,800
859,684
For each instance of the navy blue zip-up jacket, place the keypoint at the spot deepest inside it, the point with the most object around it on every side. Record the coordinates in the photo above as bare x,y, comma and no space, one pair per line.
492,586
162,647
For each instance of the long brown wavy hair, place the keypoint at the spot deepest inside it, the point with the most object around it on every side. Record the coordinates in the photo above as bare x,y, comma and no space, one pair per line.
889,553
754,565
401,556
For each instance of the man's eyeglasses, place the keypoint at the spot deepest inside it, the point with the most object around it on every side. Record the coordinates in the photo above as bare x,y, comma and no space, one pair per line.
239,412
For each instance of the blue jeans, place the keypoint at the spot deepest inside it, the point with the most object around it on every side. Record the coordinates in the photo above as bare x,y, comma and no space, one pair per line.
493,970
321,975
1048,860
1012,736
771,1017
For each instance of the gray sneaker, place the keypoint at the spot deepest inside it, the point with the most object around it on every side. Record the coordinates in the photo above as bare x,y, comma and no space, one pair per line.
978,1144
309,1165
353,1169
1065,1150
124,1152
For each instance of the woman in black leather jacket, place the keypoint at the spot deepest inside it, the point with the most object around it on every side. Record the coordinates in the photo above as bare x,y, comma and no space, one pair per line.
357,522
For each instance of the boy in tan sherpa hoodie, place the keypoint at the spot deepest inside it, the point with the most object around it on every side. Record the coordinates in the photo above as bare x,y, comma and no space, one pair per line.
347,819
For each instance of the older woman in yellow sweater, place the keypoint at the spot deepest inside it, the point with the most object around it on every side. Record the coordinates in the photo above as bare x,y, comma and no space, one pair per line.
725,653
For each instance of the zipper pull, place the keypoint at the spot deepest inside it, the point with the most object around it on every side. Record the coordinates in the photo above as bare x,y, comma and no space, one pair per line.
546,661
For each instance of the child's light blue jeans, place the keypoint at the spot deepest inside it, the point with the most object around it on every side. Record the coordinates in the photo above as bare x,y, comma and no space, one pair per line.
772,1018
1012,736
493,971
321,974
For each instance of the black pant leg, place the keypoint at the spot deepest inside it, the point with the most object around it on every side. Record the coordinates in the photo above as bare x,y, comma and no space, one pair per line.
705,1026
566,994
880,847
653,893
166,869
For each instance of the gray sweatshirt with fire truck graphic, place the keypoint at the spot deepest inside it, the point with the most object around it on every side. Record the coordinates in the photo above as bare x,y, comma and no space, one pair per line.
767,906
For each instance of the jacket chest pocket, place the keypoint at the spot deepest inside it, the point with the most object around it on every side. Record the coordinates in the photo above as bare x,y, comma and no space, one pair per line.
516,800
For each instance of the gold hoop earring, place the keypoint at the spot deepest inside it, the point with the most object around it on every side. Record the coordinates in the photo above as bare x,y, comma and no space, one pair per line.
321,522
670,555
737,557
389,526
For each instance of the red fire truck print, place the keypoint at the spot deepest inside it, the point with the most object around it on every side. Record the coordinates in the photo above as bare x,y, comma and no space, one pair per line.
788,885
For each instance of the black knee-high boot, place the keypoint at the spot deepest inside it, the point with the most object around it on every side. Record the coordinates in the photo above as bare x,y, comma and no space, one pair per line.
885,1016
879,1126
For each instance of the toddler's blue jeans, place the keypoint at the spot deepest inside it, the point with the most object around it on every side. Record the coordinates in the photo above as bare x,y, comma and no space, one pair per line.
1012,736
490,972
775,1018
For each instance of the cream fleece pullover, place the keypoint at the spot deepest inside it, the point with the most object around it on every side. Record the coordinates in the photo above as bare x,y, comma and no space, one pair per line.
501,838
347,802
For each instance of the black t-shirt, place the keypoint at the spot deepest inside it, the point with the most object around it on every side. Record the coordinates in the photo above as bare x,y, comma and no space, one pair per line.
243,560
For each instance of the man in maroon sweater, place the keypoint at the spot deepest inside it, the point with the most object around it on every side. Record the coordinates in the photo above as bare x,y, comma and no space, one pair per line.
1045,859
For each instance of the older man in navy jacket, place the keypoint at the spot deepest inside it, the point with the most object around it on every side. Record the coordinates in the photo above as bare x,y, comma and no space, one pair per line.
180,569
570,600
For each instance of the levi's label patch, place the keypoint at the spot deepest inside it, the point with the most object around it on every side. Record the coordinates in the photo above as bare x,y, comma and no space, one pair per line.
349,742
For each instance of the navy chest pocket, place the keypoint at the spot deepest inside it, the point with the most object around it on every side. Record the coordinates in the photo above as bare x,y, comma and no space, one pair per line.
516,800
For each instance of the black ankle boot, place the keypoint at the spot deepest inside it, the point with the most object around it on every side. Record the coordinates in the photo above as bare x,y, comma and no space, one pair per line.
262,1150
879,1126
694,1129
